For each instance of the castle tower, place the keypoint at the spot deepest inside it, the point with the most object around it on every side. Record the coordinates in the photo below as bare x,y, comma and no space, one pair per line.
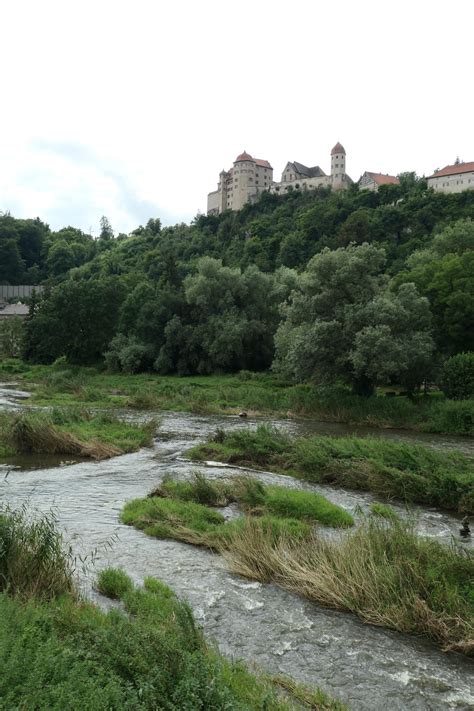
338,166
244,180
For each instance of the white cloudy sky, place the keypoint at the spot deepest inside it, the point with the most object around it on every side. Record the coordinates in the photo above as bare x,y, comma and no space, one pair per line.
131,108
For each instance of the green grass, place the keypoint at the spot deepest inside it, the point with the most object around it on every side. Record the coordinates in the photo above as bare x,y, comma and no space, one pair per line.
58,652
409,473
305,505
63,385
254,498
71,432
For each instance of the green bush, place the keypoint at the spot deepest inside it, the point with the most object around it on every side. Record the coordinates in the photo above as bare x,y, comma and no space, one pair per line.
458,376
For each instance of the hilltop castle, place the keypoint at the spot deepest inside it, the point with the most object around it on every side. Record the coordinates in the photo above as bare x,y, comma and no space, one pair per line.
249,177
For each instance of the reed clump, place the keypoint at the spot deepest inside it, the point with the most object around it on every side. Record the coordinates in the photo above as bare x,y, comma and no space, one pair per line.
33,558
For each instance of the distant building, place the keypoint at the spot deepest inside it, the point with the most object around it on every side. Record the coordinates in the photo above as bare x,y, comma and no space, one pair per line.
298,176
372,181
9,310
243,183
453,178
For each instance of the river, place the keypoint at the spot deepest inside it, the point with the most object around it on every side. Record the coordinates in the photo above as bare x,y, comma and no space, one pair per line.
367,667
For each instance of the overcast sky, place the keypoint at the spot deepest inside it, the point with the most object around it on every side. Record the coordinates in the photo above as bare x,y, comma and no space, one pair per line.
131,109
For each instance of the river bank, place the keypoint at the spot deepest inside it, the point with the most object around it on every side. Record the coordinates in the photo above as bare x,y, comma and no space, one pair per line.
256,393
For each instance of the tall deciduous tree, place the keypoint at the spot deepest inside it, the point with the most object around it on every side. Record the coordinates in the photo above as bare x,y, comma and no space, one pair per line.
343,322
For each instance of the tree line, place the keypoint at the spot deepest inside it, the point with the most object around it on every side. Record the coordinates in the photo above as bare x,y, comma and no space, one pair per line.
365,287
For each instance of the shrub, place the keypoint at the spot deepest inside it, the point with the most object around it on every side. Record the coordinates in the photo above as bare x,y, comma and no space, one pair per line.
458,376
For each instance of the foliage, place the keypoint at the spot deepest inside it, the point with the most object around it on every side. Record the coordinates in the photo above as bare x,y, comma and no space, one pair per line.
11,337
458,376
342,322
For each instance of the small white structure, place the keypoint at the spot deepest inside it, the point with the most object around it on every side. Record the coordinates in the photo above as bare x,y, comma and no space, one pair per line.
372,181
453,178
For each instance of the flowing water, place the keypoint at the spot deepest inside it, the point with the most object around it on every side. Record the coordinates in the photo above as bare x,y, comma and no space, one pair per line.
368,667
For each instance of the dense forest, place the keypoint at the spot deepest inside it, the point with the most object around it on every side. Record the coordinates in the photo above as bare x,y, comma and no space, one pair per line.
363,287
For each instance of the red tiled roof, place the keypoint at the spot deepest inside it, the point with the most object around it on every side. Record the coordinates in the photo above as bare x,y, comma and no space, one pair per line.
263,163
243,156
454,169
381,179
338,148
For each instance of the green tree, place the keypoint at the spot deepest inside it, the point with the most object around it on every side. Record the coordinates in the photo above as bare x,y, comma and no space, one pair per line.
342,322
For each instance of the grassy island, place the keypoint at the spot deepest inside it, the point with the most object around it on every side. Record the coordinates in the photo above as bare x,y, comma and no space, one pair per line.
60,652
382,571
407,472
76,433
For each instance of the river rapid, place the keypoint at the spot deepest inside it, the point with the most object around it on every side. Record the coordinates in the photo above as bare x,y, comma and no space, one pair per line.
365,666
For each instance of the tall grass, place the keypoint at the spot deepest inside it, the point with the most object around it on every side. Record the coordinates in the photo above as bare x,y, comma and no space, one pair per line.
71,432
410,473
33,558
382,572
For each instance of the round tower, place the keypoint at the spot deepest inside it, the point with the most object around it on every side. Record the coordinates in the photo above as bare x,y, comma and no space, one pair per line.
244,179
338,166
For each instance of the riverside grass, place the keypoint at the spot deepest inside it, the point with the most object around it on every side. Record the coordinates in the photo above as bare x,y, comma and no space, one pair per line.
62,385
71,432
407,472
58,652
382,572
254,498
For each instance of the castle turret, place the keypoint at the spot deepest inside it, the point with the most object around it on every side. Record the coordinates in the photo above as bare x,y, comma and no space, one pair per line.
338,166
244,180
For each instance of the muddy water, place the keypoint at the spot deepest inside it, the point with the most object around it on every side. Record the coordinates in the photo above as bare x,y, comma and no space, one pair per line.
369,668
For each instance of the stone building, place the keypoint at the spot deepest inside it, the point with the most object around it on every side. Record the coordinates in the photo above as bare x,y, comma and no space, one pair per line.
453,178
372,181
298,176
243,183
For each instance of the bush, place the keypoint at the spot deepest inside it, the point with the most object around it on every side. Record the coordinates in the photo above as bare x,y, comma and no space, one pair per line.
458,376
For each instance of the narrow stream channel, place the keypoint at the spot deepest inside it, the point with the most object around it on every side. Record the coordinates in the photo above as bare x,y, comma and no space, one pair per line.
368,667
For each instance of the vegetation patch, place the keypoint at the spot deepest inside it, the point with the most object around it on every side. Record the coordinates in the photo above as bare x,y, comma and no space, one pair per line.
255,498
409,473
65,385
71,432
58,652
